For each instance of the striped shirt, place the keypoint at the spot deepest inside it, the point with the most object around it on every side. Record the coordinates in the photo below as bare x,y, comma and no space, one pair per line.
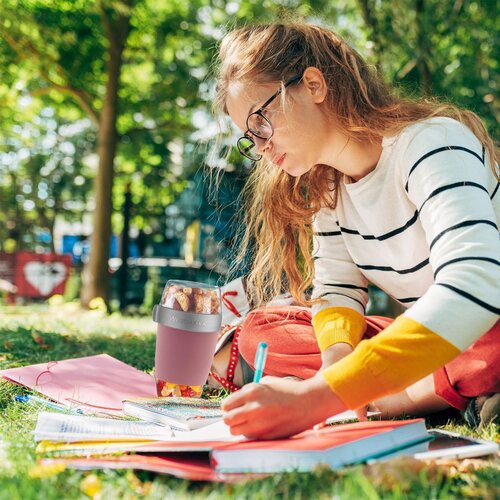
423,227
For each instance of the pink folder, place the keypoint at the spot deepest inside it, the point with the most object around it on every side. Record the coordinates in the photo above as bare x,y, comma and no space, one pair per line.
94,383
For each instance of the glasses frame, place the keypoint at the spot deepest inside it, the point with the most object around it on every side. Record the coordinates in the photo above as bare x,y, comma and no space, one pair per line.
260,113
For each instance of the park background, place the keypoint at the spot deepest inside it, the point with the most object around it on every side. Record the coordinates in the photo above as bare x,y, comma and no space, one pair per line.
106,152
107,135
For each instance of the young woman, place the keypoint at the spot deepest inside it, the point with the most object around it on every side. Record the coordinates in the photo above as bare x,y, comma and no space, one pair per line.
400,193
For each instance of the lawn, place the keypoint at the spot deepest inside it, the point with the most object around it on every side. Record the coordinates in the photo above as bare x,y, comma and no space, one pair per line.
34,334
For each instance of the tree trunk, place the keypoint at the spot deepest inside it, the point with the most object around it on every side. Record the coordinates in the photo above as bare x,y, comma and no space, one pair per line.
422,50
95,277
48,223
370,19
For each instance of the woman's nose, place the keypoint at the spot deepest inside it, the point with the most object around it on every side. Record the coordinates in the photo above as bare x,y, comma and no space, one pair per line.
262,145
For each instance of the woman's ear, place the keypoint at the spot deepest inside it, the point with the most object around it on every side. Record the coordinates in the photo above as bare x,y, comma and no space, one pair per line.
315,83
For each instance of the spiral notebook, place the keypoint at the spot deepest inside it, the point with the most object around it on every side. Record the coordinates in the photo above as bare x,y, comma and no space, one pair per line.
181,413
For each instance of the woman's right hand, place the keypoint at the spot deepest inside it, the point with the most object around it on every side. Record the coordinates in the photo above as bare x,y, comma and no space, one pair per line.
333,354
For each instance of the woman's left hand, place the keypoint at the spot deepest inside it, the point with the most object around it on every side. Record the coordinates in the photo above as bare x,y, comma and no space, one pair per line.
279,407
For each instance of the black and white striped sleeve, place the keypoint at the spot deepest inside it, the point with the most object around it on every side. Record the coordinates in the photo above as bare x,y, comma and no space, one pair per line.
449,180
337,279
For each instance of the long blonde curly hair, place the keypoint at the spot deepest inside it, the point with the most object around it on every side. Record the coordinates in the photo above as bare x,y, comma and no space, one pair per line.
279,208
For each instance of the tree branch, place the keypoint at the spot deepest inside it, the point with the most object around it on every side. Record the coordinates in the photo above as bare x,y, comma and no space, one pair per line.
368,16
116,32
451,19
29,49
422,51
106,22
372,24
406,69
78,95
457,7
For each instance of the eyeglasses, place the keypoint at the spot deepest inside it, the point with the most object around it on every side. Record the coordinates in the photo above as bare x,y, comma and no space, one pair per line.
259,126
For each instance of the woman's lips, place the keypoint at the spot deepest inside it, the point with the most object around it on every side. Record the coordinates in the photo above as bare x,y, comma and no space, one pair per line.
278,159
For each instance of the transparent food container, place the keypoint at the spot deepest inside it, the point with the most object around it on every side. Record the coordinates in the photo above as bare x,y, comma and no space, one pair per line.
188,322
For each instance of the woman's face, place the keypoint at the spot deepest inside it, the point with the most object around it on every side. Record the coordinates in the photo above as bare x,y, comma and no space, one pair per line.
301,128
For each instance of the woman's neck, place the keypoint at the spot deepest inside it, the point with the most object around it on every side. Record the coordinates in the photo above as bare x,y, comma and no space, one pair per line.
356,159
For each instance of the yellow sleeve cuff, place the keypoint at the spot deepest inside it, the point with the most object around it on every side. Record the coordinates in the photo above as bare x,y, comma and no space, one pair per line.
403,353
338,324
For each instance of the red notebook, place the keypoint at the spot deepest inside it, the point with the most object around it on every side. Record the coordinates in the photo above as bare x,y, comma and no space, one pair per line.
334,447
192,466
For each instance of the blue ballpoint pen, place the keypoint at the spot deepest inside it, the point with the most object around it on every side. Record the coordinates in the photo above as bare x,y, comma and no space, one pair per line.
45,402
260,361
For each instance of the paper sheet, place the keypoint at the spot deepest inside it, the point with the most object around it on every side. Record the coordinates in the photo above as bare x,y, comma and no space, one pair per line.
348,415
218,431
62,427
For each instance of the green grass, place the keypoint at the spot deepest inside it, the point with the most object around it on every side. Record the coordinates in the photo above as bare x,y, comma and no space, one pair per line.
36,334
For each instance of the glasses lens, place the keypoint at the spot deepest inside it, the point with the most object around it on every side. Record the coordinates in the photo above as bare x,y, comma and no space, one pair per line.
247,148
260,126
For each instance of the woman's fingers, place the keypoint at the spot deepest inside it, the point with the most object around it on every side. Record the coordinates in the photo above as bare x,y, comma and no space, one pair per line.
269,379
259,427
362,413
244,413
236,399
277,409
235,417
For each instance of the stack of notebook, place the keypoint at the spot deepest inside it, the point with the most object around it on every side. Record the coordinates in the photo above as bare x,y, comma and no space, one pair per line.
336,446
99,386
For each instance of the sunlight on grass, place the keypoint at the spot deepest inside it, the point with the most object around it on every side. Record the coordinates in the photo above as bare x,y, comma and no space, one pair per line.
42,333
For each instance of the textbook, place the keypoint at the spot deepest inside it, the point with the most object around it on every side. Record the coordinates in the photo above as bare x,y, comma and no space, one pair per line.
181,412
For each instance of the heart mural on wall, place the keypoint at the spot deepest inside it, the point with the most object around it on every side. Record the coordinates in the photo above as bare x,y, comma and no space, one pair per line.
44,276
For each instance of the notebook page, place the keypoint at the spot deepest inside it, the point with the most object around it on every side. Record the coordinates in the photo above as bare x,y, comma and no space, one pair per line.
348,415
63,427
217,431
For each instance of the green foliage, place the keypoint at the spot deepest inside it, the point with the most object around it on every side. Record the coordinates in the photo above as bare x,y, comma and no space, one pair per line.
72,288
445,49
43,175
152,290
54,57
57,55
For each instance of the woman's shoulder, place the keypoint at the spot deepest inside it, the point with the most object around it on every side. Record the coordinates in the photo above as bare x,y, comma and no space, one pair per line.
441,128
435,132
437,128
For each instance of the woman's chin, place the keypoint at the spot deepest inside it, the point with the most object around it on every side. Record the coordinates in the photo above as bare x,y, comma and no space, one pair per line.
295,170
